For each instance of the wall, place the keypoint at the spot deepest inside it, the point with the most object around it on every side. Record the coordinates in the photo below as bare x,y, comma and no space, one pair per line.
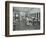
2,19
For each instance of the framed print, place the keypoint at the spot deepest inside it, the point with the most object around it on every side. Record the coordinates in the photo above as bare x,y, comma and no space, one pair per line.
24,18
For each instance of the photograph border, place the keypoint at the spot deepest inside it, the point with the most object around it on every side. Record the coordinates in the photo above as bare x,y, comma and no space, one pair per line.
7,17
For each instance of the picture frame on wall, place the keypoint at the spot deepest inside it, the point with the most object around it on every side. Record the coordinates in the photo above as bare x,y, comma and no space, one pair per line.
24,18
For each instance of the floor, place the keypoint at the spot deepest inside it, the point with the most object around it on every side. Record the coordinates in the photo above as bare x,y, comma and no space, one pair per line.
24,26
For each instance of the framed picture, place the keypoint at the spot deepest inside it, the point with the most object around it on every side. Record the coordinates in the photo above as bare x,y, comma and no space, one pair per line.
24,18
